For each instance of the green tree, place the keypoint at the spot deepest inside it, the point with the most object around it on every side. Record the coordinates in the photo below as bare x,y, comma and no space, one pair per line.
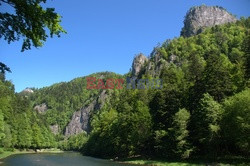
236,123
195,68
76,142
30,22
2,135
246,49
37,136
135,128
206,120
167,101
217,79
3,69
7,142
24,131
194,74
48,139
101,141
180,134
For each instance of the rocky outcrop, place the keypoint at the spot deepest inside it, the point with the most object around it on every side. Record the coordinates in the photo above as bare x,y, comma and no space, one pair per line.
41,109
157,62
80,120
198,18
138,63
155,65
54,128
28,90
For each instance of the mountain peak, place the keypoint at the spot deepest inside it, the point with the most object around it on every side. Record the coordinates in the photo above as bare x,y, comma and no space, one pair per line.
200,17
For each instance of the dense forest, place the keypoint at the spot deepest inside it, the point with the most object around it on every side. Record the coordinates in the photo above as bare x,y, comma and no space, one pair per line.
20,126
64,98
203,108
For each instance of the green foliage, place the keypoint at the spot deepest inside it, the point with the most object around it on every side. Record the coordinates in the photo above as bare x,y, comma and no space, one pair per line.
3,69
180,134
2,135
167,101
37,136
206,124
246,49
101,141
122,130
19,125
7,142
75,142
30,21
24,136
63,99
202,108
236,122
134,127
217,76
195,68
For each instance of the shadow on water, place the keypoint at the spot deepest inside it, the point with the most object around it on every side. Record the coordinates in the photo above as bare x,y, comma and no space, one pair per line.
57,159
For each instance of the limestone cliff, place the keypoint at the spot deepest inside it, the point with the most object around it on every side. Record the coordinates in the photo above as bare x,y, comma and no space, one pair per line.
198,18
80,120
41,109
138,64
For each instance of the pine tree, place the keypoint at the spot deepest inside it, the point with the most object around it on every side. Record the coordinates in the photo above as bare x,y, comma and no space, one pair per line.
2,135
217,79
36,136
24,136
180,133
206,124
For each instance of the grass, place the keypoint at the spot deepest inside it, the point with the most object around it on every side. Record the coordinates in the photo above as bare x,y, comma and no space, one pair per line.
160,163
165,163
228,161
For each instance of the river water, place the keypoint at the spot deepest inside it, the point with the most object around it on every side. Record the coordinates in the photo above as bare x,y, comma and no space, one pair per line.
56,159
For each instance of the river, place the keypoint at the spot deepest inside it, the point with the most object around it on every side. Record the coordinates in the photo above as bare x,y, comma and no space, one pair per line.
56,159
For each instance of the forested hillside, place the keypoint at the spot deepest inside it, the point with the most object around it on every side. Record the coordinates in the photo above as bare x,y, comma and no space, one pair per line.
63,99
203,108
20,126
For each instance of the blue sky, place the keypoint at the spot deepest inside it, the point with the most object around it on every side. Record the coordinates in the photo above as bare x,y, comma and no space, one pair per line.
103,35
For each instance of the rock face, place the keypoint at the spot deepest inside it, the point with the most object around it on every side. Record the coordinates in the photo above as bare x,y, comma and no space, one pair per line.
157,62
80,120
41,109
198,18
54,128
28,90
138,63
